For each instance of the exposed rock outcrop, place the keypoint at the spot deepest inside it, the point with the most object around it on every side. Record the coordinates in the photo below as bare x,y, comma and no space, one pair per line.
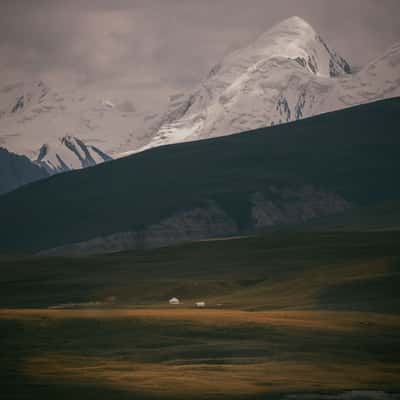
294,206
271,207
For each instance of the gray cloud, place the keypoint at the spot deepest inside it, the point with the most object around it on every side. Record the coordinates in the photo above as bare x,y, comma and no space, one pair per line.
170,42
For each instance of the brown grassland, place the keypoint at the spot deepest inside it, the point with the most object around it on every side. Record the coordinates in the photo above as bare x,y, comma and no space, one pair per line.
301,315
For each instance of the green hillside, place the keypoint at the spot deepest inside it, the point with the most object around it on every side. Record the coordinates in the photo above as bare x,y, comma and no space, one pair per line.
358,271
353,153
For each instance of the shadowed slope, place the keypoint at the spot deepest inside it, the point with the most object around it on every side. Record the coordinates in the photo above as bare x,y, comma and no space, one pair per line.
352,153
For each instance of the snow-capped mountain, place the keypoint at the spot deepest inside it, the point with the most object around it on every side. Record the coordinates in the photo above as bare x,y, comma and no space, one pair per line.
287,74
69,128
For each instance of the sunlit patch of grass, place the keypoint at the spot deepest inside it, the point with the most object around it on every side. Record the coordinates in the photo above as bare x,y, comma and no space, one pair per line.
189,353
200,380
321,320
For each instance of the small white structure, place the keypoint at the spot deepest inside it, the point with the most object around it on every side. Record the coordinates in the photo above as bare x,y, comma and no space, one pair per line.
108,103
174,301
200,304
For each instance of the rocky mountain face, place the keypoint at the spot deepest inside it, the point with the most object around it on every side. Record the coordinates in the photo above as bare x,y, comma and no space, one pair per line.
274,207
17,170
69,153
287,74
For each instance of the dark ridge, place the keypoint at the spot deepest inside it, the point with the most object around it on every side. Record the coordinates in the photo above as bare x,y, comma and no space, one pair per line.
347,153
16,170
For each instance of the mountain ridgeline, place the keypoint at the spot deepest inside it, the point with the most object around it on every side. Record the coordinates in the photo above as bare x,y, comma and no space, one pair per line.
16,170
284,175
288,73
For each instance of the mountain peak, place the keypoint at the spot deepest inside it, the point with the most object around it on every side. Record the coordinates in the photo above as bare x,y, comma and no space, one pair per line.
295,21
295,39
293,28
287,73
69,152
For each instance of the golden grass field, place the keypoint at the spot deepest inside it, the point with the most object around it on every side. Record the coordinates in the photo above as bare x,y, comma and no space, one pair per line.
207,376
285,316
313,320
205,380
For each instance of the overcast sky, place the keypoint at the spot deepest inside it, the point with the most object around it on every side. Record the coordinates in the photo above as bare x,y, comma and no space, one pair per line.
170,42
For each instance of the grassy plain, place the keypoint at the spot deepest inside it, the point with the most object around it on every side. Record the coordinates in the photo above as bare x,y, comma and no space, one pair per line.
286,313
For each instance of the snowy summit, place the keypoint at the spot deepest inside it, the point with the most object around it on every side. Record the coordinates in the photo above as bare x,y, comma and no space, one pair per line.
287,74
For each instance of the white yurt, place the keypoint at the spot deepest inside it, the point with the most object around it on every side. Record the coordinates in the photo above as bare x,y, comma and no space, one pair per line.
200,304
174,301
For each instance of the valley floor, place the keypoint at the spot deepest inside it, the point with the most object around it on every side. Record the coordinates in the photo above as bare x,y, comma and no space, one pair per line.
197,353
288,316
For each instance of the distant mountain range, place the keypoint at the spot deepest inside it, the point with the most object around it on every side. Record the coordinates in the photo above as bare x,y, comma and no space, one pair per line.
64,129
345,162
288,73
17,170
